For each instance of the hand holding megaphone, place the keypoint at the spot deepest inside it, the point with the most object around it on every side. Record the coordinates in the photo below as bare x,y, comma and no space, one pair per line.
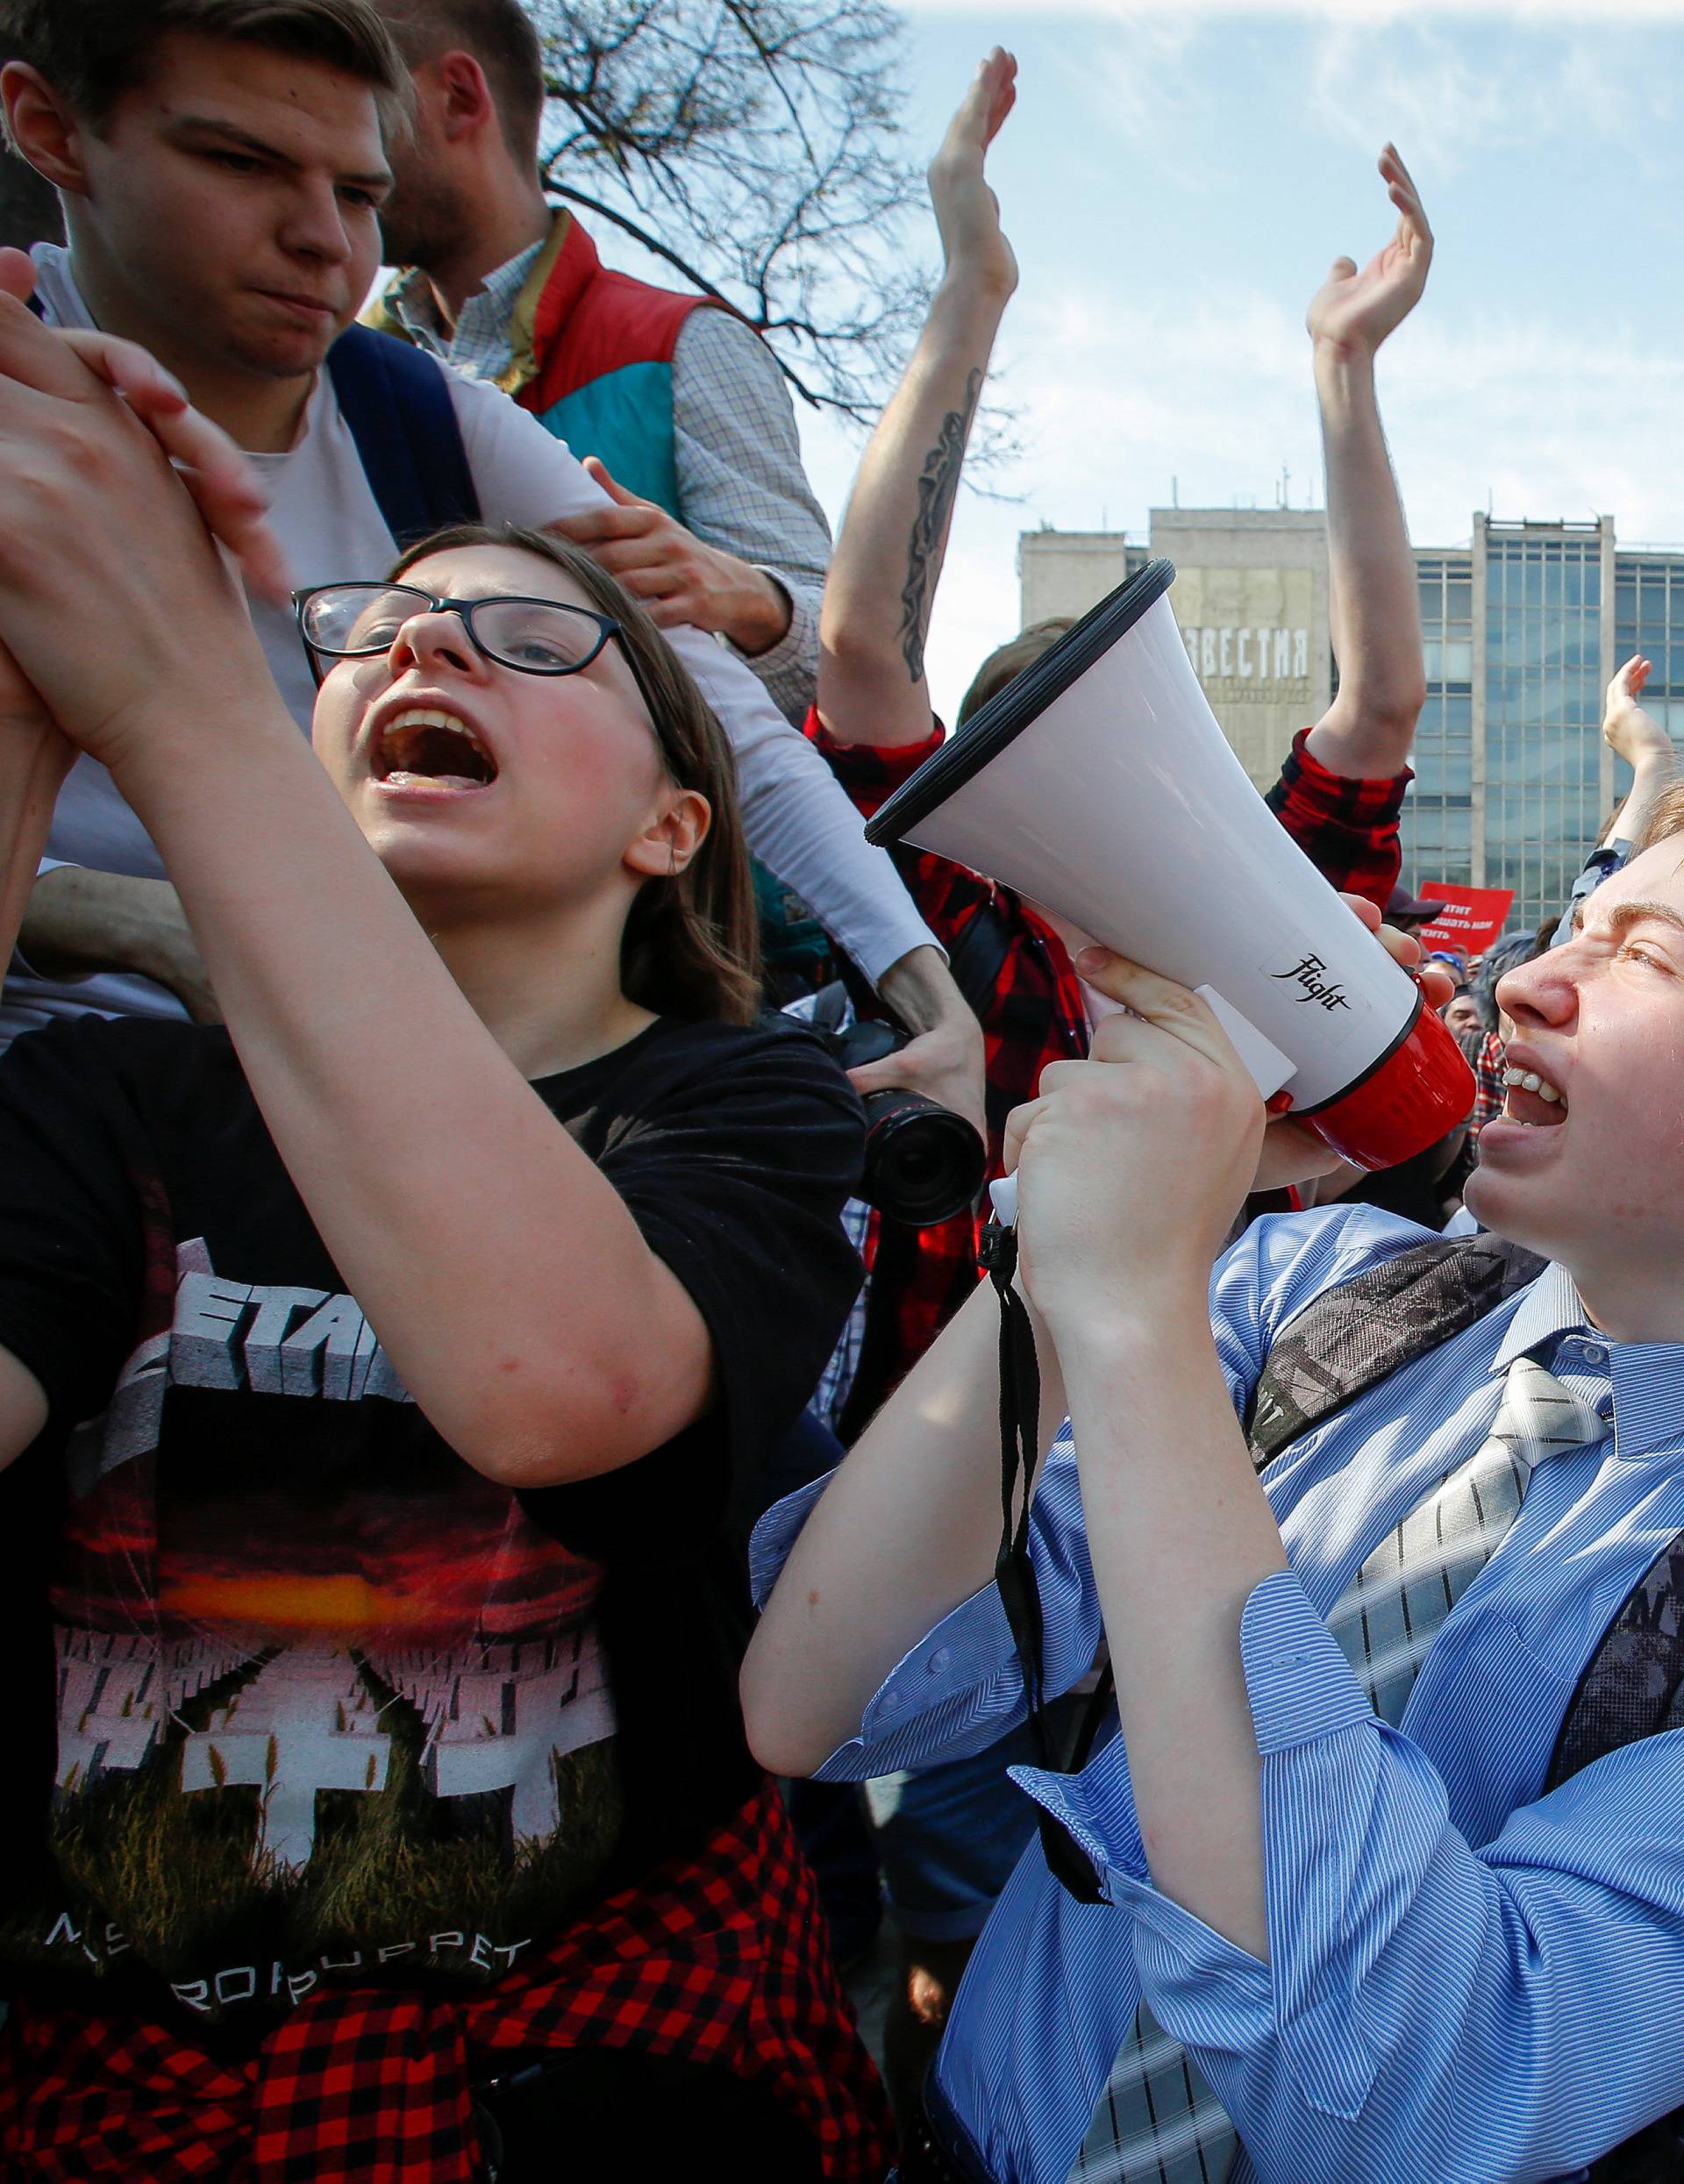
1132,1164
1135,1162
1289,1153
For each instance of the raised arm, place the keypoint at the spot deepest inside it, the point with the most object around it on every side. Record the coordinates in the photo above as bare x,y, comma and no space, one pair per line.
1637,737
1374,601
882,583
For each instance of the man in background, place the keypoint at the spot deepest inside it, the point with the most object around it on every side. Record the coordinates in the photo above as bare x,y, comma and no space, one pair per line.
679,405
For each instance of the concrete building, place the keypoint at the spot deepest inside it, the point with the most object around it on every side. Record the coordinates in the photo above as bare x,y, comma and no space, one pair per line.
1522,628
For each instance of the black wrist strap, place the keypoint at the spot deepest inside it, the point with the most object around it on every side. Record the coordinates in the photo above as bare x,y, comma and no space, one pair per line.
1020,1406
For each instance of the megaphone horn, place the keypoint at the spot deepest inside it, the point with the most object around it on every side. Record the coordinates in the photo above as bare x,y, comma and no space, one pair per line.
1098,783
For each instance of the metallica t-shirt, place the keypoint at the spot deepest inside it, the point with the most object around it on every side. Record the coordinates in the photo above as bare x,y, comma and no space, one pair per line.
303,1697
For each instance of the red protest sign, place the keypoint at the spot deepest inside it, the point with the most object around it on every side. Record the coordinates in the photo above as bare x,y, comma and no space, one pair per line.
1470,920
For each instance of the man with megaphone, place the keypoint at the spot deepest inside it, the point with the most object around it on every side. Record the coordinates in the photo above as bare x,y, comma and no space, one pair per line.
1373,1896
1381,1877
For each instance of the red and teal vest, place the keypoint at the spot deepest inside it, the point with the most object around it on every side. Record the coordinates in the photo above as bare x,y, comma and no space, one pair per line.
593,358
592,355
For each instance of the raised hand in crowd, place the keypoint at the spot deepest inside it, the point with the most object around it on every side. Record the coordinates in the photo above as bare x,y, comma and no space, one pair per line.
973,246
1636,736
887,562
35,754
883,580
1355,311
226,488
78,467
143,918
1629,732
1374,603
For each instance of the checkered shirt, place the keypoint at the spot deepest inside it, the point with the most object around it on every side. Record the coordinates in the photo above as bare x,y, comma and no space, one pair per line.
479,346
1486,1052
741,485
719,1956
1348,828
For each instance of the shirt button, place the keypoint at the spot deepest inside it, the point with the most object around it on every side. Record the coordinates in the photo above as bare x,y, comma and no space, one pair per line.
889,1704
1594,1353
938,1660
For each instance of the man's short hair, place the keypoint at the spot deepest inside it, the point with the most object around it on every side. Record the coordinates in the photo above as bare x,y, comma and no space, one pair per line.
1021,651
501,37
1664,820
91,51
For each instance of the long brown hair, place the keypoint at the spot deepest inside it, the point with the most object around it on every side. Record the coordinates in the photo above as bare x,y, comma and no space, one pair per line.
691,945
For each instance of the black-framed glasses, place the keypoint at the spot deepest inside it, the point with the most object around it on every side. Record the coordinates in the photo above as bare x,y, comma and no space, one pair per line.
532,635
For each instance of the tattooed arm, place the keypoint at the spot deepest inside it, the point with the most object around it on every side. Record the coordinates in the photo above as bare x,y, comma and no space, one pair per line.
883,579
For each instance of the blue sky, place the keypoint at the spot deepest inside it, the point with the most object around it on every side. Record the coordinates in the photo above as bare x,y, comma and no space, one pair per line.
1176,179
1175,182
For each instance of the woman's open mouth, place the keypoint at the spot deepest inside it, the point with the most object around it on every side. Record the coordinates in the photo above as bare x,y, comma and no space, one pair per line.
425,747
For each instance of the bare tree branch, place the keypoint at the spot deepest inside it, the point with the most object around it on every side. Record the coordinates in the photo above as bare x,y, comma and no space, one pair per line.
755,147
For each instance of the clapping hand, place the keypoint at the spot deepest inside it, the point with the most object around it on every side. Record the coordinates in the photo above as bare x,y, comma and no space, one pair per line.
226,489
1357,311
968,212
111,488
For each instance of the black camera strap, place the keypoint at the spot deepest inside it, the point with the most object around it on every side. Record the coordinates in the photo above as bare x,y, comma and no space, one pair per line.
1014,1572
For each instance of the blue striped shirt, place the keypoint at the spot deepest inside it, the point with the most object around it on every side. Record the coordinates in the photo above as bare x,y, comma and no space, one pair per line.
1468,1982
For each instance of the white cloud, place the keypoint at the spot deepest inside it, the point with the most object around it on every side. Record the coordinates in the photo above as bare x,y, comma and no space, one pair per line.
1422,86
1142,82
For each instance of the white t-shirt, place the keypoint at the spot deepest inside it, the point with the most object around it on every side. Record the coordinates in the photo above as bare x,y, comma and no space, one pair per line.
797,819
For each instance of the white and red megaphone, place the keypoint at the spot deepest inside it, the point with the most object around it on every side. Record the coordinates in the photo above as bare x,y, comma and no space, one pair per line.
1098,783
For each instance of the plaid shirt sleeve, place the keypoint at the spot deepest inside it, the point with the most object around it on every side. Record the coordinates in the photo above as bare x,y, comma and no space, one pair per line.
1347,827
741,485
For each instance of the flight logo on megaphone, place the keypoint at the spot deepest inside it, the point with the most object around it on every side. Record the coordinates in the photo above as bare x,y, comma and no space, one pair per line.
1097,782
1311,974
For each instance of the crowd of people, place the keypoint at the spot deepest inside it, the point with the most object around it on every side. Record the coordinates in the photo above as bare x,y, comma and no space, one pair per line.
440,1304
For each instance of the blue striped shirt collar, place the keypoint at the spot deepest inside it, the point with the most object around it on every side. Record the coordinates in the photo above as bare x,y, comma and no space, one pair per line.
1549,1308
1647,1378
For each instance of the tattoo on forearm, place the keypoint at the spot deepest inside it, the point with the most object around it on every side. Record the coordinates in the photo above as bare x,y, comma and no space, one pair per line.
937,483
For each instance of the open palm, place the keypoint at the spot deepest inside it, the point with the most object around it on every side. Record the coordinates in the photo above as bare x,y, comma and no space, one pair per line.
968,212
1357,309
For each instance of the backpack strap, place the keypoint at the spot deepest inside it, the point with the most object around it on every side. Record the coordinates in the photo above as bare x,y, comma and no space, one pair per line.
396,399
1348,1339
977,957
1632,1687
1633,1684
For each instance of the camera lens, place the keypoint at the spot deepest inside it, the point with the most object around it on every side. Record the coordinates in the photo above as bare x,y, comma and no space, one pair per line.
924,1163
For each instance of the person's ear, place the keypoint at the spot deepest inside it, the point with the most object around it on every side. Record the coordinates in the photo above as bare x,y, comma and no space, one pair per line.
672,836
42,127
466,105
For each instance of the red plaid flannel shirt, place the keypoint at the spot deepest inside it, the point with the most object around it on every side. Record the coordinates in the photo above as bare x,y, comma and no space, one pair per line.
721,1956
1485,1051
1348,828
